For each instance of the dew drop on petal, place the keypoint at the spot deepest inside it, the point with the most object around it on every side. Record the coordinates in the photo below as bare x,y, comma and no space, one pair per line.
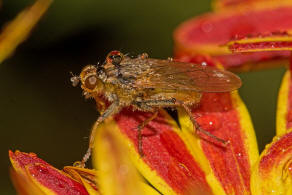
206,27
42,169
209,123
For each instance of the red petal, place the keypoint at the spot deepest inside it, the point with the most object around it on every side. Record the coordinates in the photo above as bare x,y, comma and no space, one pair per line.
207,33
166,156
219,114
46,177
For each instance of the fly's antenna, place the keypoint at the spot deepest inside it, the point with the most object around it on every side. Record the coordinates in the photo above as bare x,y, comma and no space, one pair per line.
74,79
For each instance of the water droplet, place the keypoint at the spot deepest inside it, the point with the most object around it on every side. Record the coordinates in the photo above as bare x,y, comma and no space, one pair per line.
204,63
209,123
238,154
170,59
42,169
207,27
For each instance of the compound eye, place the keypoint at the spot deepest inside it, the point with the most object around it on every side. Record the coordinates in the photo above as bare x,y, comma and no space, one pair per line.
91,82
115,57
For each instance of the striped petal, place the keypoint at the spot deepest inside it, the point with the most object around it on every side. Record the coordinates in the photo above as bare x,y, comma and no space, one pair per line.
225,116
168,163
41,178
273,172
276,41
208,33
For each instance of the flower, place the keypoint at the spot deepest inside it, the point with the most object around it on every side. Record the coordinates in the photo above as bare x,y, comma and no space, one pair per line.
177,160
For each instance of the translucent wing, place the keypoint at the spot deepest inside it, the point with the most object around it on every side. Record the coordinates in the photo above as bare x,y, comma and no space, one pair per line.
171,75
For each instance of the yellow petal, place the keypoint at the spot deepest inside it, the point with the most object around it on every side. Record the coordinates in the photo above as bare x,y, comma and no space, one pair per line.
117,175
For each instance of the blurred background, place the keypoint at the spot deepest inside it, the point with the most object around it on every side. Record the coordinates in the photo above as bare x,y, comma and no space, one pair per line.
41,112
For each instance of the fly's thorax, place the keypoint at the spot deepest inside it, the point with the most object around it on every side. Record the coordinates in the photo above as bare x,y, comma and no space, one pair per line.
90,80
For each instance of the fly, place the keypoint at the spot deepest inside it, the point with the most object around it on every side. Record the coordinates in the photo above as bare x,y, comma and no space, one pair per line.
148,85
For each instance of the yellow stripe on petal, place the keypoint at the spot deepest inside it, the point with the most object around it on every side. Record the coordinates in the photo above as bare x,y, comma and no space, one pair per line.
283,107
273,172
278,41
246,128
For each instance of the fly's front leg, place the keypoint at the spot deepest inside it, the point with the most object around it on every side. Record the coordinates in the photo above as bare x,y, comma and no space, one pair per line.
198,128
112,109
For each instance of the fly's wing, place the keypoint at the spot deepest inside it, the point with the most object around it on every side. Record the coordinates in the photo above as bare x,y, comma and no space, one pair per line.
171,75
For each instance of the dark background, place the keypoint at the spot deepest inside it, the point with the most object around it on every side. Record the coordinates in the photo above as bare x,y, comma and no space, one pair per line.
42,113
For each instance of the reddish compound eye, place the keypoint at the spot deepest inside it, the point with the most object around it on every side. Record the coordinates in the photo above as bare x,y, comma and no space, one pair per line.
114,57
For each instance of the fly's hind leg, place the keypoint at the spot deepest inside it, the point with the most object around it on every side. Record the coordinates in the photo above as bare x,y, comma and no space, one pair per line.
198,127
113,108
140,127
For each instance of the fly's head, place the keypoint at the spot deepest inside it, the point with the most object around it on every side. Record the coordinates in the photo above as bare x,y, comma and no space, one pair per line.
90,79
93,77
